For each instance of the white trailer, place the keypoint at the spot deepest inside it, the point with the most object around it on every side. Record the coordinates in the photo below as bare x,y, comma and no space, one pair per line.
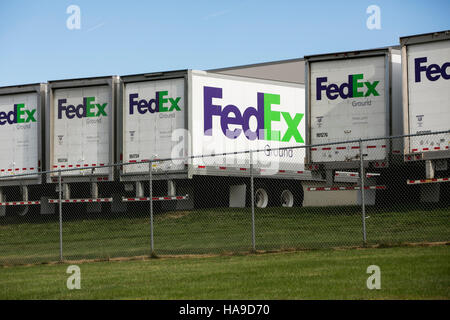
80,133
351,96
194,113
426,105
21,114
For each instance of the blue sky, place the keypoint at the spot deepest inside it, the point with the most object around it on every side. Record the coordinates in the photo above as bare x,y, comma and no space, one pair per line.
127,37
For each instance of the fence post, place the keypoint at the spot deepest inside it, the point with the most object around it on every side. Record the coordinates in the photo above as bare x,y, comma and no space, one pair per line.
60,216
363,197
150,165
252,191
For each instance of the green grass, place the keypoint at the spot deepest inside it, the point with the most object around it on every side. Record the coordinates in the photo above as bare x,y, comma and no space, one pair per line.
215,231
406,273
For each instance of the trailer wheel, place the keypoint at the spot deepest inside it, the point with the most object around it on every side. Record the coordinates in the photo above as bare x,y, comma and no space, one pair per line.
287,198
291,195
261,197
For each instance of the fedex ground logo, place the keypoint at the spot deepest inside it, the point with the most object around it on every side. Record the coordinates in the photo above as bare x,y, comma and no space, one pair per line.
432,71
18,115
355,87
264,113
88,109
162,102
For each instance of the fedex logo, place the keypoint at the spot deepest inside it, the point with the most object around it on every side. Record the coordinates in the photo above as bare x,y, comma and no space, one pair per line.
354,88
433,72
18,115
85,110
159,104
264,114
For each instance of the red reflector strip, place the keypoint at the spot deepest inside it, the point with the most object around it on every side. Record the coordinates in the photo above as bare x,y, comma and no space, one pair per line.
428,180
80,200
313,149
346,188
201,167
371,147
222,168
341,148
155,198
19,203
326,148
355,147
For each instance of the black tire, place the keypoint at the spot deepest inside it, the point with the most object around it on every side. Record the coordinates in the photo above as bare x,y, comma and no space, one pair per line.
290,195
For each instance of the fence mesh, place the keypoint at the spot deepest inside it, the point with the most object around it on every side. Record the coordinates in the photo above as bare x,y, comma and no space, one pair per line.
203,205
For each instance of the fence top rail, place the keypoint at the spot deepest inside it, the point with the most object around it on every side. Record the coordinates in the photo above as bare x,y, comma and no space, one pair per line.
223,154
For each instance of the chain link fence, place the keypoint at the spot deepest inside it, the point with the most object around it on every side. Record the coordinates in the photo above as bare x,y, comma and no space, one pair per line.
351,194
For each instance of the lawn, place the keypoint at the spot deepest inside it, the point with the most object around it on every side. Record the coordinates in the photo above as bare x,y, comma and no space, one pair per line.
216,231
406,273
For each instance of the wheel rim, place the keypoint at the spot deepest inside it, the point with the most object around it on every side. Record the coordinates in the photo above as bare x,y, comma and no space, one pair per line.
261,198
287,199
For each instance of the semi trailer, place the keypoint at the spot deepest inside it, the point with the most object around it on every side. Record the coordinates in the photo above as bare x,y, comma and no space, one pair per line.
80,126
22,110
193,114
351,96
426,109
